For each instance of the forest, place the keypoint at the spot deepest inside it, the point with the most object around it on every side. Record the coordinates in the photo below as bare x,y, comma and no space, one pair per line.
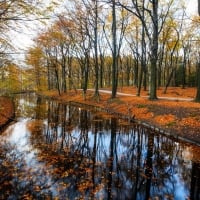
103,102
102,44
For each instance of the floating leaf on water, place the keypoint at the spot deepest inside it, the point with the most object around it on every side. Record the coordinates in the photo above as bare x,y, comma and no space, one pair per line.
65,174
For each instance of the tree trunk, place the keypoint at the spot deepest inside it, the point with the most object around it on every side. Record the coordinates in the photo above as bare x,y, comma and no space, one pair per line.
154,52
86,72
96,95
143,60
197,99
168,81
101,70
114,52
57,81
199,7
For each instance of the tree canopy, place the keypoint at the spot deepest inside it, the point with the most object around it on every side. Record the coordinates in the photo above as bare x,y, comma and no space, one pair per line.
95,44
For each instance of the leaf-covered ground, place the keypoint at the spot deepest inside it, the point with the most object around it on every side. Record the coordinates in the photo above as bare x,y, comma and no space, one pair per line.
6,110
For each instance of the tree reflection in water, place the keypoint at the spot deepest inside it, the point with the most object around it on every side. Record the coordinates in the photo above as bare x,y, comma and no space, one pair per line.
83,154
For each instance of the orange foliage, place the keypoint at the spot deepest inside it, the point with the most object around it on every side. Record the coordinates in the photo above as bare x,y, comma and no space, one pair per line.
171,92
6,110
165,120
190,121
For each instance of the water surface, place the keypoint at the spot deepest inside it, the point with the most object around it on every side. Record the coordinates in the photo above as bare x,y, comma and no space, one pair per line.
68,152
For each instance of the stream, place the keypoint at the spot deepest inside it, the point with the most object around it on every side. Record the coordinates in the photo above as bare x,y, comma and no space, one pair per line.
63,151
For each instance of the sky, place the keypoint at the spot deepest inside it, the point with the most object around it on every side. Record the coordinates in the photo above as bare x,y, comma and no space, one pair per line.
191,6
23,39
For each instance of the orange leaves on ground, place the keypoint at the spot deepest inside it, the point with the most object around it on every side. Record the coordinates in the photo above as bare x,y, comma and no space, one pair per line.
130,107
190,121
171,92
165,120
142,113
6,110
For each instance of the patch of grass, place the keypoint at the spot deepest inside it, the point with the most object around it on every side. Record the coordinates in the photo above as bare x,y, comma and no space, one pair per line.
194,114
170,124
141,106
116,100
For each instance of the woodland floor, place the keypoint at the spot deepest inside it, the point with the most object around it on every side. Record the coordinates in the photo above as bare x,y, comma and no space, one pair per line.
180,116
6,111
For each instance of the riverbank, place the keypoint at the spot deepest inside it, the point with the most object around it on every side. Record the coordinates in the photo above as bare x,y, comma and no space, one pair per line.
7,111
174,113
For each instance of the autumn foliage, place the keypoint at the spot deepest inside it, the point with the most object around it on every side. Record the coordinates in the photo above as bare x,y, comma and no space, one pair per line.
6,110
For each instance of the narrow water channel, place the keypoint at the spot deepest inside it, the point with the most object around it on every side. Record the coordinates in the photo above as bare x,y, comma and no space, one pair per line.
57,151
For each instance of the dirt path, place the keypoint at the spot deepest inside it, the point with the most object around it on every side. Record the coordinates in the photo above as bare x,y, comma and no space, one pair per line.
159,97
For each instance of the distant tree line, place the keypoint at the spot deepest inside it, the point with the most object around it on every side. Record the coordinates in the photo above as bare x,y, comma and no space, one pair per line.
96,44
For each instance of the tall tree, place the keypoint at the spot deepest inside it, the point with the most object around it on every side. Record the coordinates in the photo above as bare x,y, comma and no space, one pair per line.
49,42
198,7
156,18
143,57
35,59
92,10
197,99
115,36
154,50
87,36
114,52
96,62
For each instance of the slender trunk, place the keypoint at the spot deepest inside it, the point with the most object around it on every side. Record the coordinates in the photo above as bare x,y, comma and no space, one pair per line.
145,78
136,69
48,76
49,82
64,86
101,70
57,81
114,52
96,52
128,71
63,66
142,57
140,82
197,99
199,7
86,71
168,81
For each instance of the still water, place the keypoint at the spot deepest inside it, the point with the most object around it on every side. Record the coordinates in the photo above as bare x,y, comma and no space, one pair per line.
57,151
